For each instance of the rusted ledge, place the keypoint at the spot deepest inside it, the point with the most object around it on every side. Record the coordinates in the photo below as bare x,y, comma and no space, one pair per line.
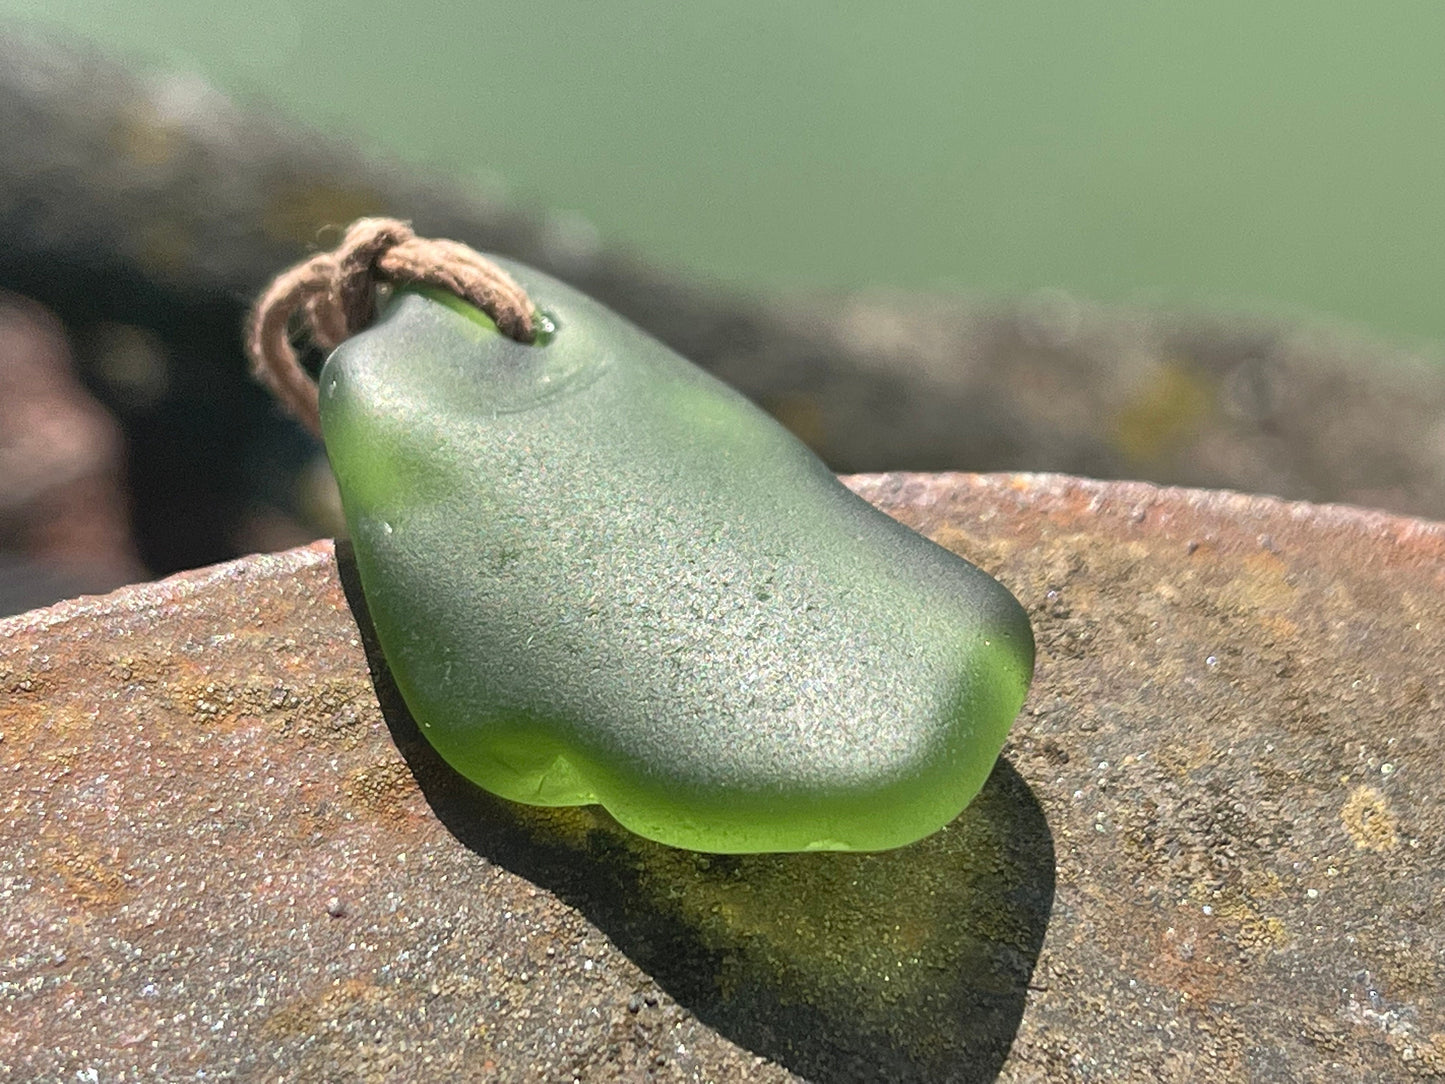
1215,848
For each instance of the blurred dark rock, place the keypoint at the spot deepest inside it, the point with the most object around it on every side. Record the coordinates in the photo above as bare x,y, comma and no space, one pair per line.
64,523
1214,849
146,210
1248,404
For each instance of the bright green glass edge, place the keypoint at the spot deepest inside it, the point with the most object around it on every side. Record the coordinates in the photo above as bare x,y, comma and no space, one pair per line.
892,815
453,302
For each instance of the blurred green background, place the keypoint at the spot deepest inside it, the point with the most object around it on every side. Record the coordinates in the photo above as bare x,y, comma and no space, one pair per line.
1281,158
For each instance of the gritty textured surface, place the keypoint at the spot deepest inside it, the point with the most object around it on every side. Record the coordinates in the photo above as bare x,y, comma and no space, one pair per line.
1213,851
654,597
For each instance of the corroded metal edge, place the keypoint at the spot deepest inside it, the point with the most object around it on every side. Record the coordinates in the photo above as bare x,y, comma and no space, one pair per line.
921,490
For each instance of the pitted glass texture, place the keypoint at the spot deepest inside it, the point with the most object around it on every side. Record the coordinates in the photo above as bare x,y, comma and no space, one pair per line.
600,575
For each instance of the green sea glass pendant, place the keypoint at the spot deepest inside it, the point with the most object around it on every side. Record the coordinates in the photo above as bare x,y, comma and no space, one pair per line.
599,575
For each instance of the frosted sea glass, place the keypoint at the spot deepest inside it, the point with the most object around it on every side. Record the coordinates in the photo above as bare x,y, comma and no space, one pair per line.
600,575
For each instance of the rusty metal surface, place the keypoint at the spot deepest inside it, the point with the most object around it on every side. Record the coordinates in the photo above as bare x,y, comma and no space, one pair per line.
1213,850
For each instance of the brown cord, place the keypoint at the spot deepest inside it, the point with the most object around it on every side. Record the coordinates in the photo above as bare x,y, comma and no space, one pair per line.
336,294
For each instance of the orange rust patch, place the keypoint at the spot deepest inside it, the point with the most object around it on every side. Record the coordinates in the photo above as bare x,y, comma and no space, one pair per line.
21,724
89,877
1189,960
24,683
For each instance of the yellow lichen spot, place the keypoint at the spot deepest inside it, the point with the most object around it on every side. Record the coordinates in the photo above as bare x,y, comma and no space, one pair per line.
309,1015
1165,412
296,213
382,788
164,247
1368,820
1262,932
144,138
1260,587
802,415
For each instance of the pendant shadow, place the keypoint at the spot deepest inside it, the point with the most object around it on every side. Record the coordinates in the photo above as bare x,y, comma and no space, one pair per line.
907,966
